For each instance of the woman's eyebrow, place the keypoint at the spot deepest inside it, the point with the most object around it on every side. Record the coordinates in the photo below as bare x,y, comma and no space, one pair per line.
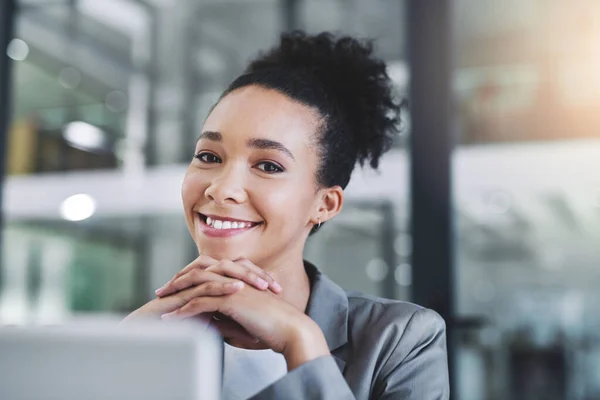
270,145
255,143
211,135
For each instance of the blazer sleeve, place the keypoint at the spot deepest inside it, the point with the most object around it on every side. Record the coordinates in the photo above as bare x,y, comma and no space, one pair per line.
319,379
416,369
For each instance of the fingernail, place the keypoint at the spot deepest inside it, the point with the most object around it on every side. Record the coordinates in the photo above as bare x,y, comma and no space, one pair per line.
262,283
159,290
236,285
277,286
168,316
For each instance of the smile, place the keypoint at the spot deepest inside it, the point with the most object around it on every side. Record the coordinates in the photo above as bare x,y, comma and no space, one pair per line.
213,225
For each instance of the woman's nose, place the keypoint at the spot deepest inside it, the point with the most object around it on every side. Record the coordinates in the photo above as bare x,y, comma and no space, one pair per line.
227,187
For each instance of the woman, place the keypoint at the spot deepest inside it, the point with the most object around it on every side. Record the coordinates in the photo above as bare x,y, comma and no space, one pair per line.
270,166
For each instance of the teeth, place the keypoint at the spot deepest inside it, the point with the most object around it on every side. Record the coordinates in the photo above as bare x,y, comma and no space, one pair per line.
217,224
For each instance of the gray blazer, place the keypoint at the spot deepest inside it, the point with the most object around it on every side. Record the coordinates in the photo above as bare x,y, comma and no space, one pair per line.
380,349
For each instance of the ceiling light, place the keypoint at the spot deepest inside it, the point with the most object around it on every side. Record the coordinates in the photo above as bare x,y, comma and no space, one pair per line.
78,207
84,136
17,50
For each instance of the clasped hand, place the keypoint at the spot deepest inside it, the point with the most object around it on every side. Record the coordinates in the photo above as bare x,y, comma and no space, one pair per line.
240,300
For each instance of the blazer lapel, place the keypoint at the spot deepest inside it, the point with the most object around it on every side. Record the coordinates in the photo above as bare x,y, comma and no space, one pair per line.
328,307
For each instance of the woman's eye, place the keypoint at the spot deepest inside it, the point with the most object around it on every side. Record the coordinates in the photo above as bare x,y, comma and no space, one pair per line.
269,167
208,158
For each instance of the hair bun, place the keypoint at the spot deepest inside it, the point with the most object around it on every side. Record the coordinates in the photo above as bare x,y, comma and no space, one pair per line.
353,80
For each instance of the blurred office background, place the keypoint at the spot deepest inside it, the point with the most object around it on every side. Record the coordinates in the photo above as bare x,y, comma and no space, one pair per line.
107,99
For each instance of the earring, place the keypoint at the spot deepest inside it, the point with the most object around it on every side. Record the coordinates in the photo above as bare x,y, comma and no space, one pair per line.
319,220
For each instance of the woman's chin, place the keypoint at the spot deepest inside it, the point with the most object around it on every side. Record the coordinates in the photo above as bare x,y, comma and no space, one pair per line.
222,252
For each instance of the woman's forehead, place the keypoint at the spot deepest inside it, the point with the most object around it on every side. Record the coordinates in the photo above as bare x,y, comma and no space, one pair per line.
266,113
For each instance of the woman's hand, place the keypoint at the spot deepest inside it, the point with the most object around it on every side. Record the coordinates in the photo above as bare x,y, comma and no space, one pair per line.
254,317
211,284
213,278
208,284
242,270
271,320
208,277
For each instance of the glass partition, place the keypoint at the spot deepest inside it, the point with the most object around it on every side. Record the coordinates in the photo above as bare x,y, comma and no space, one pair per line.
526,192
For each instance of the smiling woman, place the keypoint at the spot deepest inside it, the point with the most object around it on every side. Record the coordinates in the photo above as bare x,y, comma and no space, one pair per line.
270,166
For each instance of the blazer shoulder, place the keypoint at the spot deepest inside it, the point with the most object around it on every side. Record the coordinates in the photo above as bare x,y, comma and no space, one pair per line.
375,308
401,344
392,320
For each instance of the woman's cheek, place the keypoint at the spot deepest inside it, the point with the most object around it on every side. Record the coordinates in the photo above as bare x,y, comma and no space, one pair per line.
285,206
192,188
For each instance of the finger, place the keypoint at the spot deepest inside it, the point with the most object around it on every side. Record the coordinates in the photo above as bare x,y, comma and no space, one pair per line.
184,296
213,288
273,284
225,286
201,262
194,277
250,274
241,272
195,306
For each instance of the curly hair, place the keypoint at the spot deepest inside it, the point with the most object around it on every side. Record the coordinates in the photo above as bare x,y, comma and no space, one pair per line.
347,85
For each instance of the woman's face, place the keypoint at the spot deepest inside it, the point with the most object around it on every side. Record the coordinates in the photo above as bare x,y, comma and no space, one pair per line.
250,191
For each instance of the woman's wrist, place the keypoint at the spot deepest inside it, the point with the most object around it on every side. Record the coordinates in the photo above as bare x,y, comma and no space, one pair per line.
307,343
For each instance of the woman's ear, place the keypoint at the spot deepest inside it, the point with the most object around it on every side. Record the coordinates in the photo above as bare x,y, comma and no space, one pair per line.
330,201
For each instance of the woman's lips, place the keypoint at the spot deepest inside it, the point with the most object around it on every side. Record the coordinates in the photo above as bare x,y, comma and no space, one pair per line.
223,227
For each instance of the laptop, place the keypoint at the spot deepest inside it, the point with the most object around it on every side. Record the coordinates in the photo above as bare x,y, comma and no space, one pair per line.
100,360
